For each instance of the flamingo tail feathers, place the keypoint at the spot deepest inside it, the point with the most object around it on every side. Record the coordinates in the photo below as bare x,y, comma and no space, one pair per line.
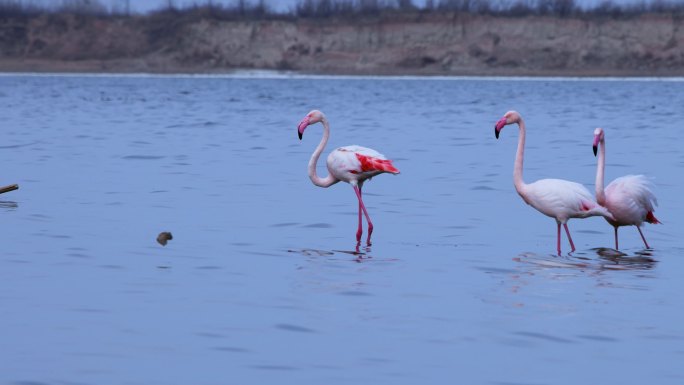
368,163
650,218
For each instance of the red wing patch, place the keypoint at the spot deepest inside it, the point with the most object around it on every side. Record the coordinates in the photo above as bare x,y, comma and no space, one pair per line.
369,163
650,218
585,206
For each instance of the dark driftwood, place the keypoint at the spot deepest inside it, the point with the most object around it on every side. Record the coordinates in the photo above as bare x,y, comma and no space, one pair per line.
9,188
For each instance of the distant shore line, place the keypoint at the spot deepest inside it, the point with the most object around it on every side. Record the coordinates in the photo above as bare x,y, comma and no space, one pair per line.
294,75
134,67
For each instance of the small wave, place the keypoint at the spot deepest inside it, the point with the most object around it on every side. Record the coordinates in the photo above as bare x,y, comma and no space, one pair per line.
143,157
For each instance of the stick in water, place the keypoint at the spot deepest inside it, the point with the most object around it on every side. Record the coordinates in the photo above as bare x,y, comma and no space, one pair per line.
9,188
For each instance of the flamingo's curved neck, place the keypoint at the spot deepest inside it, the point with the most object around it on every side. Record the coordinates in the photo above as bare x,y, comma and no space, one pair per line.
318,181
518,165
600,194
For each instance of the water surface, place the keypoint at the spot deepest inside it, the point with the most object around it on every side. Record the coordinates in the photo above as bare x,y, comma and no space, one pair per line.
261,283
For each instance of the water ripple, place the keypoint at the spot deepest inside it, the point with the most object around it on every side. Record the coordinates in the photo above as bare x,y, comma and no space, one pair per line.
546,337
294,328
143,157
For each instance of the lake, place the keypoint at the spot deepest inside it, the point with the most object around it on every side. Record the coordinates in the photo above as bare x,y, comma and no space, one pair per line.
261,283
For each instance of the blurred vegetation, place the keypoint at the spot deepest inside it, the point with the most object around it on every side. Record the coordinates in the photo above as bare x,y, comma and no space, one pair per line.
262,9
560,8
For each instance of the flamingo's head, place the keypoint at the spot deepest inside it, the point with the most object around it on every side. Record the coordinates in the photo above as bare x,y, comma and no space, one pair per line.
509,117
312,117
598,137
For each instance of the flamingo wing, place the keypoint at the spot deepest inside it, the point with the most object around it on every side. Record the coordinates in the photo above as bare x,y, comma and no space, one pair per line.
562,199
631,200
370,164
361,161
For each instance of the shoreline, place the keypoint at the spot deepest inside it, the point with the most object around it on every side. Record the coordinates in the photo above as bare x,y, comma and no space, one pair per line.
133,67
290,75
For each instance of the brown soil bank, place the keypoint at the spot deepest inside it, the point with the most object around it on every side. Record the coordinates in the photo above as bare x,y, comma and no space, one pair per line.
446,44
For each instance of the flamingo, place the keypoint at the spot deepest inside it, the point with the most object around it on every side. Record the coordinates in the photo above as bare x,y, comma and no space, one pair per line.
557,198
351,164
628,198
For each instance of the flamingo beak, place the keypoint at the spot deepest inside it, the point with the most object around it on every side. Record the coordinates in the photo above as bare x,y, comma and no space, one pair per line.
302,126
595,145
498,126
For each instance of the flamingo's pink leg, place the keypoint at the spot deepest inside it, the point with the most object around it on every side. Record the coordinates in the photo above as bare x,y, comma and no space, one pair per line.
558,240
642,237
616,238
357,190
567,231
360,230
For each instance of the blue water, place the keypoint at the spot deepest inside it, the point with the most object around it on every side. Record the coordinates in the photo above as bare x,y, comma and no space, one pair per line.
260,284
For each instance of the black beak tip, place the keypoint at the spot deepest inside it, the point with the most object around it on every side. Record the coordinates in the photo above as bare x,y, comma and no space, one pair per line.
496,133
595,149
300,135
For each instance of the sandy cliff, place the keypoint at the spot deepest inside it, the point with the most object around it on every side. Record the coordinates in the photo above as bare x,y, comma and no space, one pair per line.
416,44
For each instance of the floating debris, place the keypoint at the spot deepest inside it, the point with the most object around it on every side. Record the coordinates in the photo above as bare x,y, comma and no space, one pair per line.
164,237
9,188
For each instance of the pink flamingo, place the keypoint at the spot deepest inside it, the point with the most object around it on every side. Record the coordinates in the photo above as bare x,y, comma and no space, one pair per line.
557,198
351,164
628,198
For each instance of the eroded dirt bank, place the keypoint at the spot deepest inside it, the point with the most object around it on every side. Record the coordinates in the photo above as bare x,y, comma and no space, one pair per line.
446,44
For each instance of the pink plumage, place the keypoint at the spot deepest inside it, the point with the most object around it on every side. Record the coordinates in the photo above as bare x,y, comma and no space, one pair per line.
557,198
351,164
368,163
630,199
